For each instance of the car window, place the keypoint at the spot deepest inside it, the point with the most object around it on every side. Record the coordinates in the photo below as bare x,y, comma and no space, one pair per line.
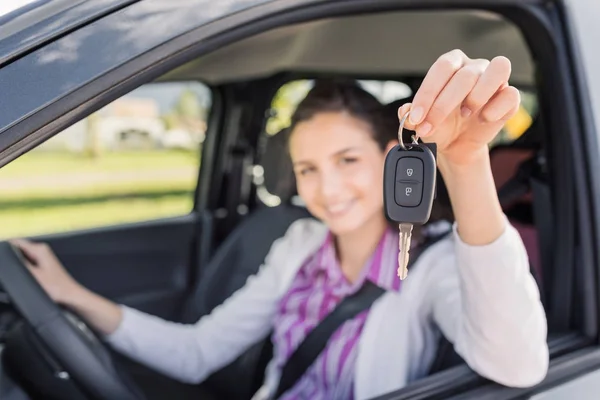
135,159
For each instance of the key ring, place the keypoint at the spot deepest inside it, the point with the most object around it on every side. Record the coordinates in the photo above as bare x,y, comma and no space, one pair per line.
415,138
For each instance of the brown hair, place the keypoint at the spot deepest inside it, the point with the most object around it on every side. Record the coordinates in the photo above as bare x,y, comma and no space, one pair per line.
343,95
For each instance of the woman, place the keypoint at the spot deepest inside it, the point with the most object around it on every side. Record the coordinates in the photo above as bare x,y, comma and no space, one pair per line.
474,286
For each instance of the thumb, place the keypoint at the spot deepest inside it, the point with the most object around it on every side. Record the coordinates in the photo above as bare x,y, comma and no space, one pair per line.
402,111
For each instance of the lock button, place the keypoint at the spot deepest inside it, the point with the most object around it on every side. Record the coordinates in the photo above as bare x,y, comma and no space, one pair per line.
408,194
409,169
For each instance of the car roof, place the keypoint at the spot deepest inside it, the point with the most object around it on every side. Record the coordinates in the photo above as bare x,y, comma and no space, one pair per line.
299,46
367,44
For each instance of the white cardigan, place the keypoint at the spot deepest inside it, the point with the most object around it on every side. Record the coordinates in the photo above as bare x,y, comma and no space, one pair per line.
483,298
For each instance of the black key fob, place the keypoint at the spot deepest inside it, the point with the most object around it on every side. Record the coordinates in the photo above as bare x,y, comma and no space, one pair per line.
409,180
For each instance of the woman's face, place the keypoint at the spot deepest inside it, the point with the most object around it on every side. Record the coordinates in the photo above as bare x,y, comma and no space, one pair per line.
339,170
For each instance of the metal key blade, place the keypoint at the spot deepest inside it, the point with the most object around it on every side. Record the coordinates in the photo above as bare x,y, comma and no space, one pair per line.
404,244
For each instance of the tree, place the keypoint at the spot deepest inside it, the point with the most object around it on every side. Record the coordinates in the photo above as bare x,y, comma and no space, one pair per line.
188,105
284,103
92,147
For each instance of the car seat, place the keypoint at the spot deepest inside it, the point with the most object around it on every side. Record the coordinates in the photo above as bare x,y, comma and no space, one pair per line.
239,257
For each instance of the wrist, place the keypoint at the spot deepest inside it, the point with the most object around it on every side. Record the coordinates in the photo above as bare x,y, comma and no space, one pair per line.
73,295
466,167
474,198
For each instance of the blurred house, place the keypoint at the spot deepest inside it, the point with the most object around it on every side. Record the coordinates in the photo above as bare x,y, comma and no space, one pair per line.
127,123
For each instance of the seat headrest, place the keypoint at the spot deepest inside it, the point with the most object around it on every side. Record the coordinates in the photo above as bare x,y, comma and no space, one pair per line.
279,179
507,163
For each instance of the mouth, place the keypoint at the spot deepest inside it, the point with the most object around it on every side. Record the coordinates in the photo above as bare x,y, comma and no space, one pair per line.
339,209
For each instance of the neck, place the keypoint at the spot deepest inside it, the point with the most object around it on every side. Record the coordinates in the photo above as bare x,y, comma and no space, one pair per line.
354,248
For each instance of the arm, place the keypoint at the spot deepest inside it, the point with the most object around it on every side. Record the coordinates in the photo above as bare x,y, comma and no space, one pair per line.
491,309
184,352
189,353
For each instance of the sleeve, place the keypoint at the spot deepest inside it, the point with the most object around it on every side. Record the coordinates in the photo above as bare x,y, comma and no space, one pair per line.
190,352
491,309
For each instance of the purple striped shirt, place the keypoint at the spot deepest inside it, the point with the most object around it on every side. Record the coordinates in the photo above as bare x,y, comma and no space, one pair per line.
317,288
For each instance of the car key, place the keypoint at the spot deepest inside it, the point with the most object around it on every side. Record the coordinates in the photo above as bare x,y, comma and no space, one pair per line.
409,180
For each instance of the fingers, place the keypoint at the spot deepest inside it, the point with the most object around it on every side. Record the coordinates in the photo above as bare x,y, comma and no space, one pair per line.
20,242
34,252
456,83
502,106
404,108
453,95
436,79
27,247
495,76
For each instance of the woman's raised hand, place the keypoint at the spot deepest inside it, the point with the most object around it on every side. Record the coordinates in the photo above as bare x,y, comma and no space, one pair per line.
462,104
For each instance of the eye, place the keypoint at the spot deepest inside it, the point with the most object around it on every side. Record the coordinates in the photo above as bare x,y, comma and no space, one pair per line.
348,160
306,171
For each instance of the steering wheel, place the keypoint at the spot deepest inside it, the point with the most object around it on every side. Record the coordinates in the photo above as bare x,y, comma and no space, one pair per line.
70,347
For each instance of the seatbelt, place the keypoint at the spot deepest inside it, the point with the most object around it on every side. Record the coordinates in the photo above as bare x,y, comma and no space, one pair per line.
316,340
314,343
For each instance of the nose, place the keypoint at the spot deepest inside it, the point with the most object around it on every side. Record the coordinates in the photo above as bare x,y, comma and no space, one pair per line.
331,184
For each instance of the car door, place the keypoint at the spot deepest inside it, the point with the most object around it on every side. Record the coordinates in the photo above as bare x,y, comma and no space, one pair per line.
135,52
575,23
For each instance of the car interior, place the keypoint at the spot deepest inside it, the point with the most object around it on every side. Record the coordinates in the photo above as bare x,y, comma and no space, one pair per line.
181,268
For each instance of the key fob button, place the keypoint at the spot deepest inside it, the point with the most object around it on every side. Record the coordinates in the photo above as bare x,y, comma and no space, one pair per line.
409,169
408,194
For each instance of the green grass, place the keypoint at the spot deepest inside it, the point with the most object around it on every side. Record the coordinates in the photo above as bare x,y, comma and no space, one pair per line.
49,163
43,193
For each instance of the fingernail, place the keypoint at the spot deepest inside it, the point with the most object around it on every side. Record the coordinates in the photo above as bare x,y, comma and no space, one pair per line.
465,112
416,115
424,129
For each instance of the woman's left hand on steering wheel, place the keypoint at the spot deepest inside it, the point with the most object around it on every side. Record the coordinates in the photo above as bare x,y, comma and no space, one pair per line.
462,104
47,269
